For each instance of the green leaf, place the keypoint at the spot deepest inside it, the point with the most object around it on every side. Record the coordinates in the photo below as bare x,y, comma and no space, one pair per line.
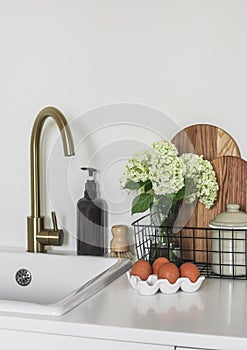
148,185
142,203
180,194
135,186
131,185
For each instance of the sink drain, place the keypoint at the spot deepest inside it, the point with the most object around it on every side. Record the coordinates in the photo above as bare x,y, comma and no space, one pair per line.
23,277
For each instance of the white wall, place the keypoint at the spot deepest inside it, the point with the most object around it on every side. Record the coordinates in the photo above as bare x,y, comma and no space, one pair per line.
183,59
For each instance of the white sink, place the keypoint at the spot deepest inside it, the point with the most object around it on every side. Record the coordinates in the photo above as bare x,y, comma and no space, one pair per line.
58,282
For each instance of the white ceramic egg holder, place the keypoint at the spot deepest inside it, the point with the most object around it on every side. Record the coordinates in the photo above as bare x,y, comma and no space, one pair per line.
152,285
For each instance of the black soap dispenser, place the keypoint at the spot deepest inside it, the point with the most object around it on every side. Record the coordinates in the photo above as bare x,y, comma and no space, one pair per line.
91,219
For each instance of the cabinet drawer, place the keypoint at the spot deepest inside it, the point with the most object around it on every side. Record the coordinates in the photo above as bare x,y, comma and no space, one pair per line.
40,341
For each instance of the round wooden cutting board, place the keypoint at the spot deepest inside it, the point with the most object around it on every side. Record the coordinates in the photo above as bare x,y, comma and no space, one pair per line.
207,140
211,142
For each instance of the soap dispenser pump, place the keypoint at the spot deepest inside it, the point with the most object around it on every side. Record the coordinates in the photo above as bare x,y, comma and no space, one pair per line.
91,219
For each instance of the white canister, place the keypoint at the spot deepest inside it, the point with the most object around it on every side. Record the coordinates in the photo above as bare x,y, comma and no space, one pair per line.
229,242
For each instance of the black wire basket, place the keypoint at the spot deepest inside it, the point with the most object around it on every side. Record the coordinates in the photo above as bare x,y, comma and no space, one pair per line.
217,252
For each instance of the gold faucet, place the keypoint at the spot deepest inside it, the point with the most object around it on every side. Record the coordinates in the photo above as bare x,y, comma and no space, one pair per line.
37,235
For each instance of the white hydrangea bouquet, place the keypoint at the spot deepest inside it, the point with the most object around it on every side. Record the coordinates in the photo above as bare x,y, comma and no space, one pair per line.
160,175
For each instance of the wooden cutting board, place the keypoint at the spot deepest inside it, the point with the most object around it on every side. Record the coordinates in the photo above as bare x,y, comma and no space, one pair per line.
231,174
207,140
211,142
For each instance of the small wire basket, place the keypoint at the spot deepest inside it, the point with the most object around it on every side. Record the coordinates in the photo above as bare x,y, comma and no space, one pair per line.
217,252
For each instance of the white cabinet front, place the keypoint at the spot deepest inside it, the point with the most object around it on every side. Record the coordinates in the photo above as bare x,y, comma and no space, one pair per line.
39,341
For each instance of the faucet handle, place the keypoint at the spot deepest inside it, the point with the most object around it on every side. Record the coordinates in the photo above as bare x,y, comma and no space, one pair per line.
56,236
54,220
53,236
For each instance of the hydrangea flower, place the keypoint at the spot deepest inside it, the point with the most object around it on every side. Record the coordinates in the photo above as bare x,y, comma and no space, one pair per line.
202,174
166,169
137,168
160,172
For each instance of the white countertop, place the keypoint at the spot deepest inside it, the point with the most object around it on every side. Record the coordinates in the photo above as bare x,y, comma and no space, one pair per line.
214,317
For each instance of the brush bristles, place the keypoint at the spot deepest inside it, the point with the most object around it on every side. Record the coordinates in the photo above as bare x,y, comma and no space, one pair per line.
125,255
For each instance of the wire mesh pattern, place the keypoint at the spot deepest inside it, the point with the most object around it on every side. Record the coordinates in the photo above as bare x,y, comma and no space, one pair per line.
218,253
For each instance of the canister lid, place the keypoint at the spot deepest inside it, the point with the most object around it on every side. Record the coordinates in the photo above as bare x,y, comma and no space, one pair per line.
232,217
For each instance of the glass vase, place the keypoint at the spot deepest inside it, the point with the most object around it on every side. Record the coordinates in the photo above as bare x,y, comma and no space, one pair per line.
164,241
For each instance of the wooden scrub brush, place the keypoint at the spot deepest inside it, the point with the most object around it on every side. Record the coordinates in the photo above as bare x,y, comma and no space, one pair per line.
119,244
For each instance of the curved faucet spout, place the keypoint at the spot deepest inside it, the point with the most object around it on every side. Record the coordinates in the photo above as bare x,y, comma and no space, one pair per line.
68,146
35,221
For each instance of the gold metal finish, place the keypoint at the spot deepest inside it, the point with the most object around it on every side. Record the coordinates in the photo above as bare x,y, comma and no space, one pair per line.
37,235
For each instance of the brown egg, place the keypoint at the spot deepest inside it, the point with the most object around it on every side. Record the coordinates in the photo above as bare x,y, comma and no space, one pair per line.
189,270
141,268
169,271
158,262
